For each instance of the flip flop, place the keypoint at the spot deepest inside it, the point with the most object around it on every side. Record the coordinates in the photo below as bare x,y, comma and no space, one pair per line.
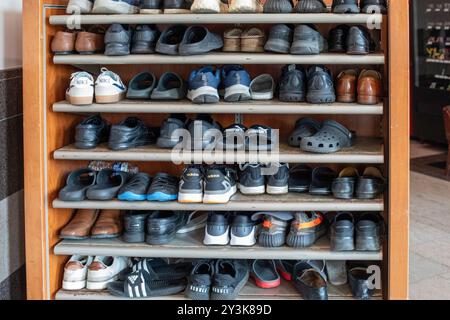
78,182
265,274
322,179
262,87
332,137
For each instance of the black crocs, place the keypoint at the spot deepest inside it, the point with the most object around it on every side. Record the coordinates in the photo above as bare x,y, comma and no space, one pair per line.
304,127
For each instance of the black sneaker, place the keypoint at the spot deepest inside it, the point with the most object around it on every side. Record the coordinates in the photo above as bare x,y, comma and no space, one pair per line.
229,279
233,138
369,229
279,182
136,188
191,185
162,226
130,133
243,230
251,180
220,185
91,132
134,226
204,132
306,228
261,138
200,280
320,85
217,230
164,188
168,138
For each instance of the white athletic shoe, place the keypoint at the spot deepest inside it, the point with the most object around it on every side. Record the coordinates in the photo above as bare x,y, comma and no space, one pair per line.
206,6
104,270
243,231
81,89
75,272
116,6
79,6
245,6
109,88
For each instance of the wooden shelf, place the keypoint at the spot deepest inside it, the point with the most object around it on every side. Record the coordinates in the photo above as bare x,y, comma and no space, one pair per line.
220,19
286,291
240,202
222,58
190,246
251,107
364,150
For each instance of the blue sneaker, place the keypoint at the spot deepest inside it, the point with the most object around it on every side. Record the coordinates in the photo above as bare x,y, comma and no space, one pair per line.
136,188
237,83
203,85
116,6
164,188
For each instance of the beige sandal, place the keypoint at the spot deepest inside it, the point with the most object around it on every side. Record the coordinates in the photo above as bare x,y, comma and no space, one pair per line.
252,40
232,40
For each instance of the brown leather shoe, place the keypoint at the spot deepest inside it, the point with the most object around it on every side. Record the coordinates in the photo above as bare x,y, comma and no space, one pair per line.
370,89
346,86
80,226
108,225
90,42
64,42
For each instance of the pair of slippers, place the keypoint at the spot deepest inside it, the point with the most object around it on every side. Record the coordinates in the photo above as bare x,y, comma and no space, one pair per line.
317,181
316,137
143,87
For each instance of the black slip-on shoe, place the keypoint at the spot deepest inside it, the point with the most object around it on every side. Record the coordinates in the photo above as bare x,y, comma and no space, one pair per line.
136,188
344,186
337,39
345,6
134,224
91,132
321,181
144,39
200,280
370,185
162,226
360,280
310,279
359,41
341,232
130,133
108,184
368,232
300,179
229,279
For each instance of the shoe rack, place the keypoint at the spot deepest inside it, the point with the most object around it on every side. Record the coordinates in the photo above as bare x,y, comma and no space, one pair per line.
49,122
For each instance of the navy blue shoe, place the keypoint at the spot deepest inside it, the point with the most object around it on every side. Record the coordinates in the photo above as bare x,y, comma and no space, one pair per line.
136,188
237,83
203,85
164,188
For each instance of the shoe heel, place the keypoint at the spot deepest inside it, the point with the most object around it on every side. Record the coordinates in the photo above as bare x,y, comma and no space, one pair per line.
369,100
271,241
342,244
367,244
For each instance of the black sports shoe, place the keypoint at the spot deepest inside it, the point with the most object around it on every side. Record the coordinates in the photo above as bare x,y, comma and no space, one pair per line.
260,138
200,280
229,279
162,226
164,188
167,137
204,131
251,180
217,230
359,41
368,231
91,131
243,230
279,182
320,85
134,226
220,185
130,133
136,188
191,185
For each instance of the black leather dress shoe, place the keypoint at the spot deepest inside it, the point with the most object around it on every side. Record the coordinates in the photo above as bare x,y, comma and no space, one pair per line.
91,131
310,279
337,39
359,280
130,133
359,41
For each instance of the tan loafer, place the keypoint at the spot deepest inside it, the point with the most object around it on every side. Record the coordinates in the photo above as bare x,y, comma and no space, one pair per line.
90,42
109,225
80,226
64,42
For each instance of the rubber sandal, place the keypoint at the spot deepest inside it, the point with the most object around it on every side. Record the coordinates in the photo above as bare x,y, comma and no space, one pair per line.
310,279
78,182
196,220
343,187
109,182
141,86
262,87
304,128
286,268
265,274
321,181
300,179
138,265
170,87
332,137
337,272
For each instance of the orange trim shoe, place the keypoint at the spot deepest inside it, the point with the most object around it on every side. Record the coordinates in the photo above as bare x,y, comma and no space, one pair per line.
306,228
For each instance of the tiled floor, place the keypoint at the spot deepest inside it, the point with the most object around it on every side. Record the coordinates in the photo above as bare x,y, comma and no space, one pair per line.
429,232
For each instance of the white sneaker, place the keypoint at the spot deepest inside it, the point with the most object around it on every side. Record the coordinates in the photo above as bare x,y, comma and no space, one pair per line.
206,6
116,6
243,231
81,89
79,6
104,270
75,272
109,88
245,6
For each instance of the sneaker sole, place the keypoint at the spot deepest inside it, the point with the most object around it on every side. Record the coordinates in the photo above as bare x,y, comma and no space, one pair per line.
219,198
247,241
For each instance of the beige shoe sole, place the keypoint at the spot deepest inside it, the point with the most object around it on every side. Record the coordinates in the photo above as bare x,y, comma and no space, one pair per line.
176,11
110,99
79,101
151,11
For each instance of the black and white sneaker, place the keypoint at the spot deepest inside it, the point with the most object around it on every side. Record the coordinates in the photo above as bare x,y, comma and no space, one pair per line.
229,279
217,230
220,185
243,230
279,182
191,185
200,280
251,180
233,138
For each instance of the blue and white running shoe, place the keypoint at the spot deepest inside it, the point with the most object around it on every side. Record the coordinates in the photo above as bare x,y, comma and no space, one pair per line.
237,83
203,85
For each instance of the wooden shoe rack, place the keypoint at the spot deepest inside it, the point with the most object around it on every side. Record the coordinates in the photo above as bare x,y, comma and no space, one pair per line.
383,140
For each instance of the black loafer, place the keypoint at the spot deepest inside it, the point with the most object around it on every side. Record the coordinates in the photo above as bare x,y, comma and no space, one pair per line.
130,133
144,39
310,279
359,41
337,39
370,185
321,181
134,226
359,280
91,131
162,226
344,186
341,232
170,39
368,233
373,6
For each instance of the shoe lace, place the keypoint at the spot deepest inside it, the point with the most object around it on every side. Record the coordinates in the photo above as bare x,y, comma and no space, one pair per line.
163,181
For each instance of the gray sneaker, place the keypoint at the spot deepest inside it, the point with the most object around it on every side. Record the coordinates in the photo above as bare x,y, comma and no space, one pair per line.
274,228
251,180
307,40
167,138
199,40
279,182
220,185
144,39
118,40
280,39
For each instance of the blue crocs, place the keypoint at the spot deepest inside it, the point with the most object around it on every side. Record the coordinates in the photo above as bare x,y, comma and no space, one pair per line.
203,85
